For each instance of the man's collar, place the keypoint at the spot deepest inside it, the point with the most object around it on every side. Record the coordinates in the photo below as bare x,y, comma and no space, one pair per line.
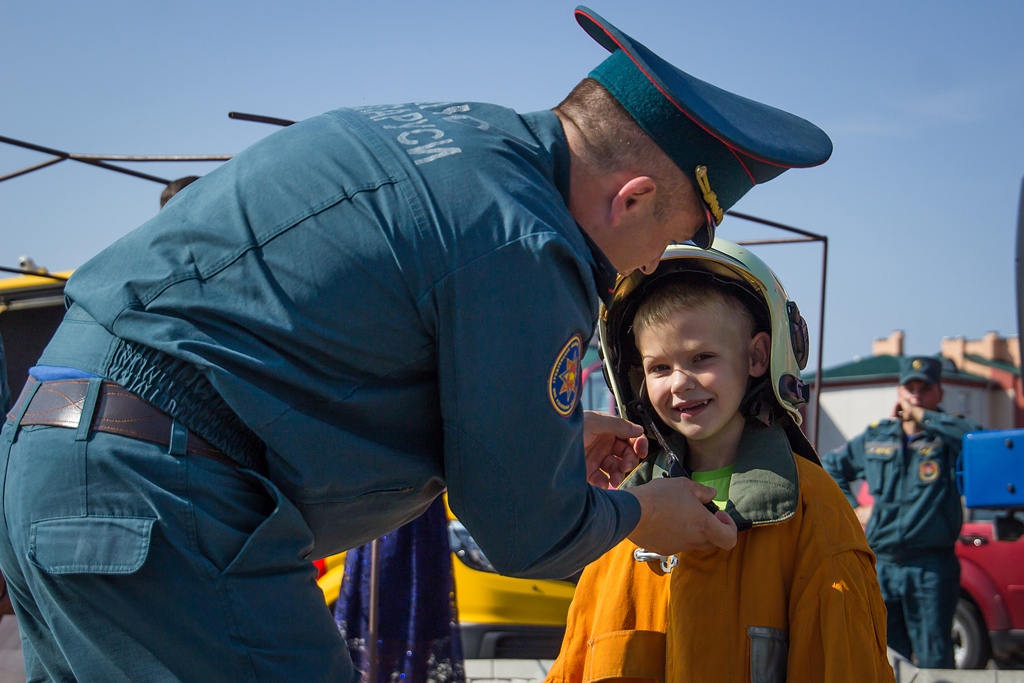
604,272
548,128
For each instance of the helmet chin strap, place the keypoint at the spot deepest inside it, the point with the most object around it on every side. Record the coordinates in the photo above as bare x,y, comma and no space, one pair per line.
759,401
676,465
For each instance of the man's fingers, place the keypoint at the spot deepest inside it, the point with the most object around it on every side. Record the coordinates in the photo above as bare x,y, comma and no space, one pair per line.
640,445
599,479
598,423
722,531
705,494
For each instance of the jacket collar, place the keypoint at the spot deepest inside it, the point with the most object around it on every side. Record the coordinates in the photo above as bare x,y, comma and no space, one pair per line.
764,488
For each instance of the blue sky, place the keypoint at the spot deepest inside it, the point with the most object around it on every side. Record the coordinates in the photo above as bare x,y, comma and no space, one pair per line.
923,100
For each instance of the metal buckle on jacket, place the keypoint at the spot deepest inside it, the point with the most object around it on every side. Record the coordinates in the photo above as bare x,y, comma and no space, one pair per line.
668,562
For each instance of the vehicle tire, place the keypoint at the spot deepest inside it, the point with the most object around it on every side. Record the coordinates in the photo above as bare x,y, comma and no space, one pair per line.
971,649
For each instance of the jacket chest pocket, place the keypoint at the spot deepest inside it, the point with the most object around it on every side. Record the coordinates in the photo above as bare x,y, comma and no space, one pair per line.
878,460
769,654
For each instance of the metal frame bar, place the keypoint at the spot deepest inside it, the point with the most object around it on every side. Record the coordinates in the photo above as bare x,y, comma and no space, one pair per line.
259,118
806,236
100,160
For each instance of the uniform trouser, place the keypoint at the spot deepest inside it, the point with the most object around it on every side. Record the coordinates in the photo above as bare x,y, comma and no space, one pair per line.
920,598
128,563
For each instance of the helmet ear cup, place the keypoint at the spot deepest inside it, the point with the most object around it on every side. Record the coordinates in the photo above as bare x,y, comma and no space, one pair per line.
798,334
794,390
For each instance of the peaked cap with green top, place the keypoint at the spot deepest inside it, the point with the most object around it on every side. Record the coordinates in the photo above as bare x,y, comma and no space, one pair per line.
724,143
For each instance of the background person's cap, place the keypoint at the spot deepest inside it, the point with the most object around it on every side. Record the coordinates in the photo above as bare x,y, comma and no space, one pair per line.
737,142
925,368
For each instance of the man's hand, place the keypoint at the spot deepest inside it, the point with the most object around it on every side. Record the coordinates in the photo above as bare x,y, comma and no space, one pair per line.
908,412
614,447
863,513
674,518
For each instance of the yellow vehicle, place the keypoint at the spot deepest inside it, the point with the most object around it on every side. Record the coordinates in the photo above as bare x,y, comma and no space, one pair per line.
499,616
31,308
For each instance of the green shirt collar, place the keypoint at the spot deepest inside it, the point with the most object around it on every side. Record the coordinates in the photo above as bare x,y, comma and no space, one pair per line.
764,487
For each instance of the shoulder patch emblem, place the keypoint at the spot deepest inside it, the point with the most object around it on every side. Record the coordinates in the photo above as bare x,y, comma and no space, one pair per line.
564,380
928,471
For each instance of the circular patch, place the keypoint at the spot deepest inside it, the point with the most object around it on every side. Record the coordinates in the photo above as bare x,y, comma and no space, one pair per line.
928,471
917,365
564,380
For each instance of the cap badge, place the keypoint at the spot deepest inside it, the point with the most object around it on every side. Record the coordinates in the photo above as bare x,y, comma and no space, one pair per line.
710,198
564,380
917,365
928,471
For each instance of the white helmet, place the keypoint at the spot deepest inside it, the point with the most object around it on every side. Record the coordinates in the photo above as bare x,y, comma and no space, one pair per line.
753,282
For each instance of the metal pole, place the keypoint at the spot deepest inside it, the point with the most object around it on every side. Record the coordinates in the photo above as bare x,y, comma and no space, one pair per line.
374,617
259,118
150,157
821,343
48,162
93,162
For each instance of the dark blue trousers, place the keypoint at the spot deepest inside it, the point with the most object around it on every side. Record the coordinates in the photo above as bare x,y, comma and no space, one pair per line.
920,598
129,563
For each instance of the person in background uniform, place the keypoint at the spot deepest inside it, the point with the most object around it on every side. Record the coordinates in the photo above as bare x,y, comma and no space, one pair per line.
909,464
174,187
297,355
705,352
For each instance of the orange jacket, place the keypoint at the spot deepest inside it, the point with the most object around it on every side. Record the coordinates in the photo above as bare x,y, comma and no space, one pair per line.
796,600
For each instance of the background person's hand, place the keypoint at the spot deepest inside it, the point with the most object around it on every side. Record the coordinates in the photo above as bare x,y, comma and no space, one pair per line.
863,513
908,412
674,518
613,446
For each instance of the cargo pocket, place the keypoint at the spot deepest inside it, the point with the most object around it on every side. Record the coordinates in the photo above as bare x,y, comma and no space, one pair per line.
90,545
626,654
281,541
769,653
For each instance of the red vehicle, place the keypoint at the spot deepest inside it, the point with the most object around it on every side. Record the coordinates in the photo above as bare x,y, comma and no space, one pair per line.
989,619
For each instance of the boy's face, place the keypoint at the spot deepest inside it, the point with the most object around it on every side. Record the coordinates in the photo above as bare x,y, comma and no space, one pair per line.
696,365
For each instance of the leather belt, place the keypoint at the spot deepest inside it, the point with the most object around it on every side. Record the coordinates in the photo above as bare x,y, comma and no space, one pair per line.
58,403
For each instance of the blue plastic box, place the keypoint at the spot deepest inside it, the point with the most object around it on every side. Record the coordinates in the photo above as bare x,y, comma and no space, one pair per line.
993,469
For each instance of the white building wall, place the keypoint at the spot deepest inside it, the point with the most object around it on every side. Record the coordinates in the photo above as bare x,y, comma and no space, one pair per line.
847,411
851,410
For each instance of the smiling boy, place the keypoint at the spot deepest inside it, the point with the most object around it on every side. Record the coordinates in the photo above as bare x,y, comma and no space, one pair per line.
706,352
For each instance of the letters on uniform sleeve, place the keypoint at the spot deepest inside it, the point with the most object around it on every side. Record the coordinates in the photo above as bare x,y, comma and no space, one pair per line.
512,328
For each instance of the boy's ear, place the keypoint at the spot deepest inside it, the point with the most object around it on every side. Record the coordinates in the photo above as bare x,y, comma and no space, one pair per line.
760,354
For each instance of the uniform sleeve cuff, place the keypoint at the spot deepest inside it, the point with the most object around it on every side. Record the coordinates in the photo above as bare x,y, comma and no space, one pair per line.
629,510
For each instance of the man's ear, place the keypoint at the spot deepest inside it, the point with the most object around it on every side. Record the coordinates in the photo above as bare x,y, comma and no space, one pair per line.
635,197
760,354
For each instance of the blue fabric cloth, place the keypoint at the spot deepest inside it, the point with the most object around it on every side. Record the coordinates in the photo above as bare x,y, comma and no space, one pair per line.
920,601
418,633
125,563
917,505
45,373
351,286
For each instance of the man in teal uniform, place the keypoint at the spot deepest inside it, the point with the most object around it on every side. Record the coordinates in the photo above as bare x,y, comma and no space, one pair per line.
302,350
909,464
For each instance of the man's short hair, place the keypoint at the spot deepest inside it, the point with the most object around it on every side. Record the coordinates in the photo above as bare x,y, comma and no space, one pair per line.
176,186
616,142
694,293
